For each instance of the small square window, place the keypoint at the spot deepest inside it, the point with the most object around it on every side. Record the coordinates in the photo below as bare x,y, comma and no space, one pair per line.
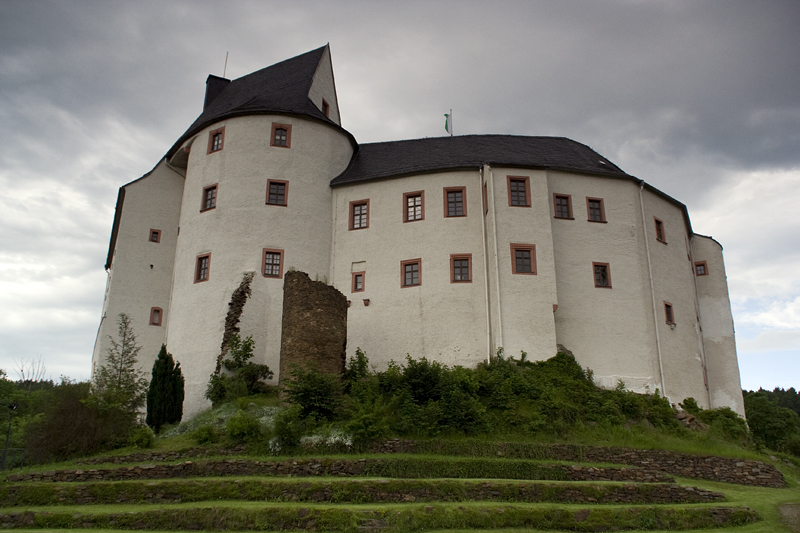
602,275
277,192
563,206
523,259
202,268
669,315
216,140
413,206
358,282
411,272
209,198
281,135
155,316
155,235
519,191
359,214
326,108
455,202
660,234
460,268
272,263
701,268
595,209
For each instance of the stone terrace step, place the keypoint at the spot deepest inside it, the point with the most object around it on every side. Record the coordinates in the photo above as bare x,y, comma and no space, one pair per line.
347,491
394,468
391,519
709,467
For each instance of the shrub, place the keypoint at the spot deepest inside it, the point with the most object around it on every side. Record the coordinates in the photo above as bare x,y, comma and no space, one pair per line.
205,434
142,437
317,394
243,427
70,426
246,378
289,428
367,425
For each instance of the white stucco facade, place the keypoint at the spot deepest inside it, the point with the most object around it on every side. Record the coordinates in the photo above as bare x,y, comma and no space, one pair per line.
653,321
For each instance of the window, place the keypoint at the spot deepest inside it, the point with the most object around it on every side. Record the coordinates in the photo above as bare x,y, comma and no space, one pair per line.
155,235
202,268
701,268
485,199
209,198
413,206
460,268
519,191
660,235
277,191
523,259
155,316
668,314
326,108
455,202
411,272
563,205
358,282
595,209
281,135
359,214
272,264
216,139
602,275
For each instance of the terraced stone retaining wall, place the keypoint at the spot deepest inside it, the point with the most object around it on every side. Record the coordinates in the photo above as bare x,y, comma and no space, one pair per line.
360,491
345,467
712,468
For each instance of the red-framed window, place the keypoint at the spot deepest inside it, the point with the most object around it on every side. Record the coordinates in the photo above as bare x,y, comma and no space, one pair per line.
460,268
562,206
272,263
411,273
519,191
281,135
523,258
277,192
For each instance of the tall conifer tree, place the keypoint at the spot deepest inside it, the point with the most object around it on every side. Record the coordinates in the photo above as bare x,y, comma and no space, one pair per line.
165,395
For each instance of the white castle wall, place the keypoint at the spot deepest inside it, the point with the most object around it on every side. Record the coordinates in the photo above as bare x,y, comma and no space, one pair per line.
140,276
717,324
240,227
438,319
611,330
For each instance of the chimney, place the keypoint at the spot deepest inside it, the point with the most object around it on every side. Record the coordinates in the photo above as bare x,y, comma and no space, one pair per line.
214,86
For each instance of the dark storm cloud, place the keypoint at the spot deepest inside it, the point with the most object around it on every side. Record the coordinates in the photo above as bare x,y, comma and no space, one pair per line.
690,96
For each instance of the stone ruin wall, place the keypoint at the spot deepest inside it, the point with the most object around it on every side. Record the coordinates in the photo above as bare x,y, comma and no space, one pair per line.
314,330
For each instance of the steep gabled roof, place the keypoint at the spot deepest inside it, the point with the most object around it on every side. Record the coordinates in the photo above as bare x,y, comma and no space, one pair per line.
281,89
400,158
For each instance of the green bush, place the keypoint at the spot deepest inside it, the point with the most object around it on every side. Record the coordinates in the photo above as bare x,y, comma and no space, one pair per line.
205,434
317,394
246,378
290,428
243,427
142,437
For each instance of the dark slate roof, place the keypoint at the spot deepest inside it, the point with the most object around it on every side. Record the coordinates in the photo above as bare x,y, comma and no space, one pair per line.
400,158
281,88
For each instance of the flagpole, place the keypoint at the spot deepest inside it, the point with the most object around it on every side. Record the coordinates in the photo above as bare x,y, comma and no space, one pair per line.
451,123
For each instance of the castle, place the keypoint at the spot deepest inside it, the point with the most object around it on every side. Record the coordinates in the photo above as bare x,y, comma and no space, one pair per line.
448,248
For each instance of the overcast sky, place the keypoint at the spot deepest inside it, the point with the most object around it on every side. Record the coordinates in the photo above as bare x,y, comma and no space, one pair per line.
699,99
